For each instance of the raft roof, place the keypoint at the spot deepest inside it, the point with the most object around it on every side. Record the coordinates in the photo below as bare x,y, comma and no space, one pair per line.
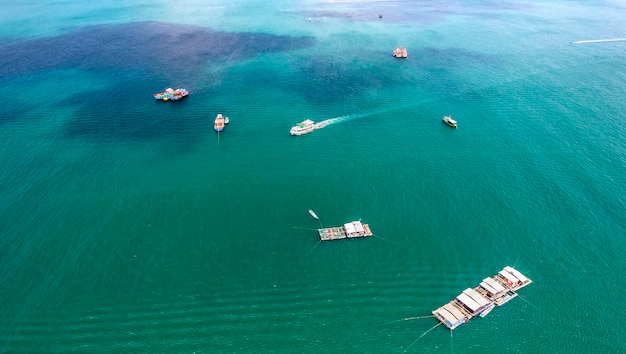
454,311
508,276
349,227
516,273
492,286
475,295
469,302
451,315
354,227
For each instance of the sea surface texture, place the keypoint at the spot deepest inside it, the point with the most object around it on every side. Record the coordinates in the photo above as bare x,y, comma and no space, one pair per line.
129,225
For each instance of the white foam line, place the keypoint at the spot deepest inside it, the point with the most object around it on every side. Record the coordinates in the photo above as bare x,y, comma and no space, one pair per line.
361,115
600,40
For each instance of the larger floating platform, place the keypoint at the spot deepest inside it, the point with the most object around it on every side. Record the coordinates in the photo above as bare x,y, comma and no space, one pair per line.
349,230
479,301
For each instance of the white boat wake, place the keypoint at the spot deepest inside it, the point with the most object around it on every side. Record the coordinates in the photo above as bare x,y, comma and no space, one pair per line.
330,121
327,122
350,117
600,40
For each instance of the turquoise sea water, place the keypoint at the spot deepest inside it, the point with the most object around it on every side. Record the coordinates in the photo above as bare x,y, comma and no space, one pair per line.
129,225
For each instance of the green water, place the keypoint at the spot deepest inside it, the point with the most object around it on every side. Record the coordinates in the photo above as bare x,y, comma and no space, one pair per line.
129,225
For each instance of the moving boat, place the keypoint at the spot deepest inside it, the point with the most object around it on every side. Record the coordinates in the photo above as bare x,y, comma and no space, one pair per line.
219,123
400,52
313,214
171,95
303,127
449,121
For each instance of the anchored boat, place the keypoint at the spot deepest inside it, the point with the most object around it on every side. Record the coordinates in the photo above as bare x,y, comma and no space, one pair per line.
219,123
171,95
400,52
313,214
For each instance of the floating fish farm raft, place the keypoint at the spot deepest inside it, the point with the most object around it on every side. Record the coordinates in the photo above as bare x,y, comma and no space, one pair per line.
350,230
479,301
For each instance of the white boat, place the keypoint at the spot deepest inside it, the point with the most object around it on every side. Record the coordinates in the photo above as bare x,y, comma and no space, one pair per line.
449,121
226,120
303,127
313,214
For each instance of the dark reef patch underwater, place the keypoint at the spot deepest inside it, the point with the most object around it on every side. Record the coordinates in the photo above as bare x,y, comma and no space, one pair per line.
136,60
153,46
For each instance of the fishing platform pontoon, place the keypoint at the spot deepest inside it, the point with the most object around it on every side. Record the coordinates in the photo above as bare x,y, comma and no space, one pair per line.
497,290
350,230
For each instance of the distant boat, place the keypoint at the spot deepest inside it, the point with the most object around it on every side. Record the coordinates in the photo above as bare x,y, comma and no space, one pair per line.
400,52
449,121
171,95
313,214
219,123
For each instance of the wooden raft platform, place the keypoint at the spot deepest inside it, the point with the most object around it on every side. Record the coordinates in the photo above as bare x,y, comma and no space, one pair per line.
353,229
479,301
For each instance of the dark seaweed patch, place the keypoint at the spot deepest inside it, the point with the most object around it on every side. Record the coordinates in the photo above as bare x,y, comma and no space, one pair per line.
140,58
145,46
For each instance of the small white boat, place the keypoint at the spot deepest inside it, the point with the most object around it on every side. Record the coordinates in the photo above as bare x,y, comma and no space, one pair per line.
313,214
226,120
449,121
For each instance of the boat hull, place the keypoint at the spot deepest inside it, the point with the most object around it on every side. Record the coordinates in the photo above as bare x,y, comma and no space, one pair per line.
302,132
